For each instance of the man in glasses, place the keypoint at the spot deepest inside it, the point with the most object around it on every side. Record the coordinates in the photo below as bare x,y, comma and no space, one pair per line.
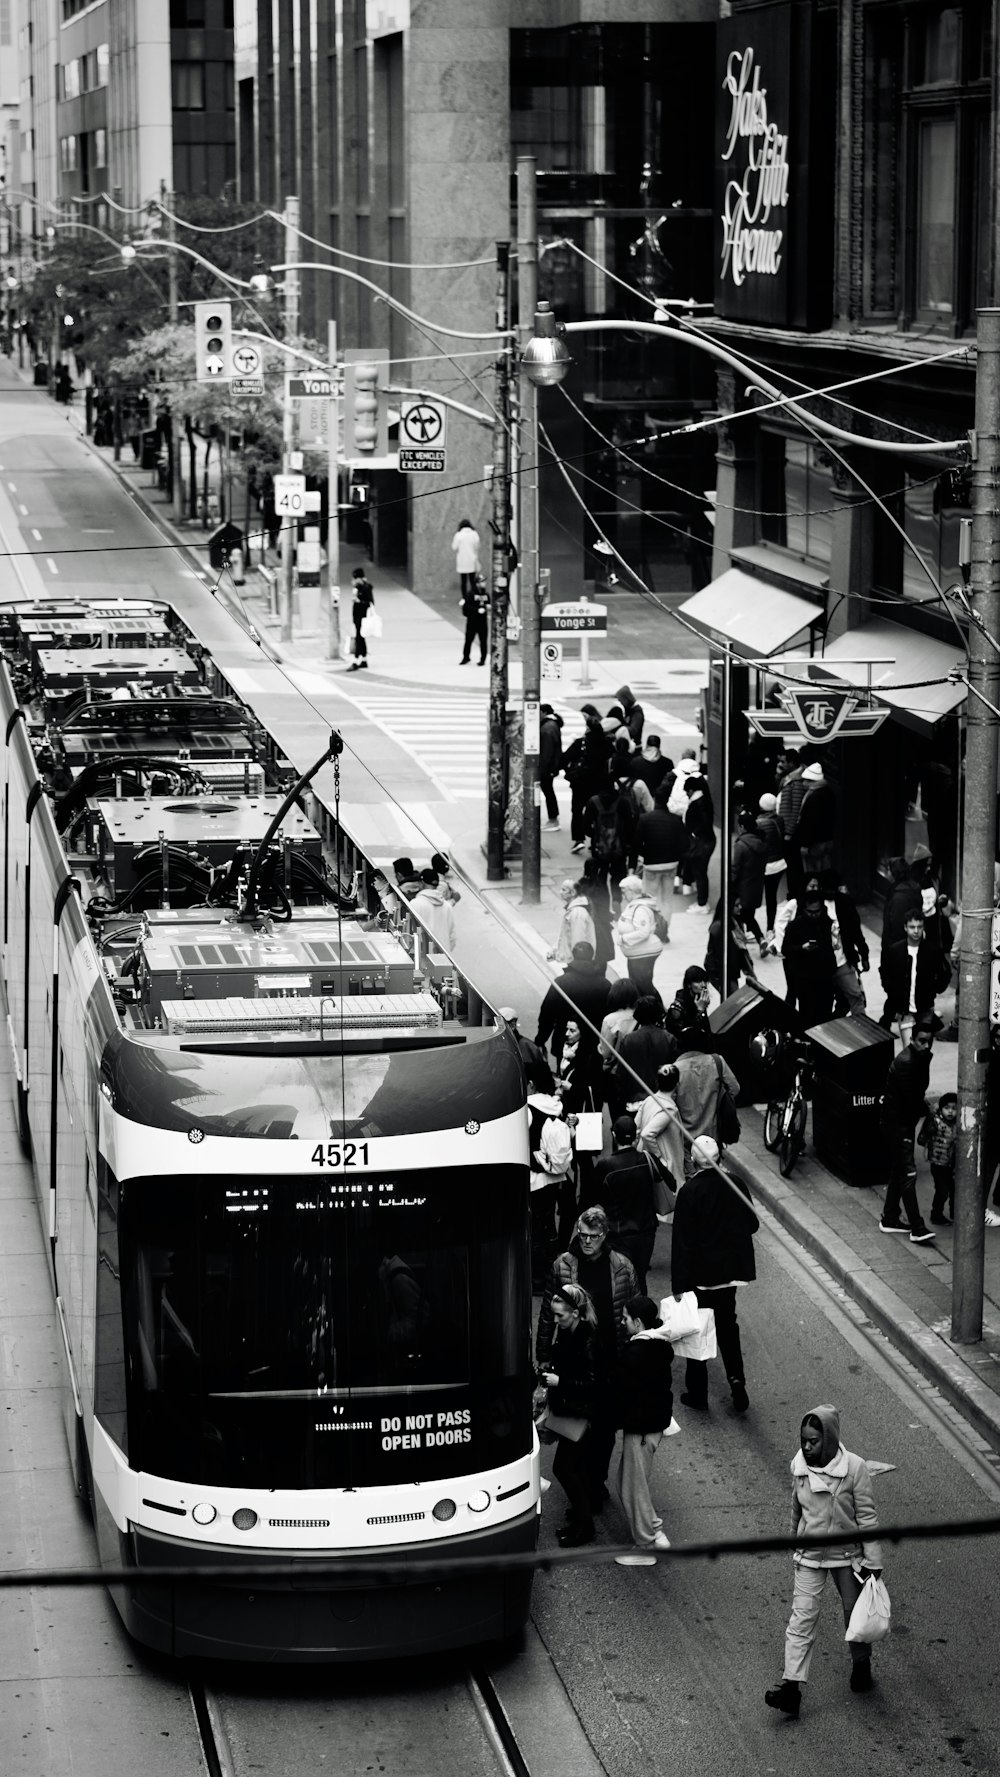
610,1281
905,1102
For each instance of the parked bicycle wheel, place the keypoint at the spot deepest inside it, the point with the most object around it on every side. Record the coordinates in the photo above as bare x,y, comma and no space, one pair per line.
793,1137
772,1125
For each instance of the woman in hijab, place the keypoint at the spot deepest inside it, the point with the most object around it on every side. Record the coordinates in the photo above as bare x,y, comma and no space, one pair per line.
831,1493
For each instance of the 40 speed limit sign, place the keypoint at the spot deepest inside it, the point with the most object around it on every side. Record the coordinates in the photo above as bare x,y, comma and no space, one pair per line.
290,495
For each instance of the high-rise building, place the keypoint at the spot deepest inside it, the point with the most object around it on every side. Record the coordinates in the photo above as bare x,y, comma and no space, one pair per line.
397,126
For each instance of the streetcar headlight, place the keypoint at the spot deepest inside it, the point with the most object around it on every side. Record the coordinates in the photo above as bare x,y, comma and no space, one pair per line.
204,1514
478,1502
245,1518
444,1510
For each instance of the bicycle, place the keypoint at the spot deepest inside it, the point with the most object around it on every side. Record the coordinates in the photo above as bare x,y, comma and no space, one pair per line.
785,1120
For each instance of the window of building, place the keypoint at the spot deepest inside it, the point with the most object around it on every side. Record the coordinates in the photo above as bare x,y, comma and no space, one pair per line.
796,496
103,58
188,81
71,79
229,85
100,148
67,154
929,511
5,25
187,12
926,180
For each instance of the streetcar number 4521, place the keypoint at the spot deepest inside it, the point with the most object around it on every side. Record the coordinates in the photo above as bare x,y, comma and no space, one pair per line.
348,1153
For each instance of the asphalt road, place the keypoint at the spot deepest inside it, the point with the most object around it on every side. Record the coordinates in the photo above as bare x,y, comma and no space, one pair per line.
667,1667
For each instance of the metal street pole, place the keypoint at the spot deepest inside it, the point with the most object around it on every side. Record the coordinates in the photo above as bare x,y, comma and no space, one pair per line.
725,817
289,526
500,520
167,204
527,297
979,827
333,508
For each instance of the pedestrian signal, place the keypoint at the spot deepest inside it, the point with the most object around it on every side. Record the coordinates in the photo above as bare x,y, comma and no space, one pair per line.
213,341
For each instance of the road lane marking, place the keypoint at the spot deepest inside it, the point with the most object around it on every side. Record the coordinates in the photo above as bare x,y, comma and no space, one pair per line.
37,536
12,486
98,530
50,564
22,508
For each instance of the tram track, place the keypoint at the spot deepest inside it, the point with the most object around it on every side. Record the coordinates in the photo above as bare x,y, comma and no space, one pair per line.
402,1744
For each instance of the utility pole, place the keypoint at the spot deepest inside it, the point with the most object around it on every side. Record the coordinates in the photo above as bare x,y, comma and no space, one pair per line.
979,829
333,506
500,520
289,527
527,299
167,212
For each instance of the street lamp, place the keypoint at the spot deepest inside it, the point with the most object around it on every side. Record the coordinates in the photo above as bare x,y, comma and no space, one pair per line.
544,361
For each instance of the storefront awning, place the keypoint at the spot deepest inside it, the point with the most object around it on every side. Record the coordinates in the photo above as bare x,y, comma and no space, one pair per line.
916,659
756,616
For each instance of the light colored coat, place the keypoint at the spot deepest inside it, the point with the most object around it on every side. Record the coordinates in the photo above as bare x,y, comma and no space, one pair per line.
635,928
577,927
434,912
848,1506
465,543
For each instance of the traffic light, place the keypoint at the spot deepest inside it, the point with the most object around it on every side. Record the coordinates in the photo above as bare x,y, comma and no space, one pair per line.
213,341
365,422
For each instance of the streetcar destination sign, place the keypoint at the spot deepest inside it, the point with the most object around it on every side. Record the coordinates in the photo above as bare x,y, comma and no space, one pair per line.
575,617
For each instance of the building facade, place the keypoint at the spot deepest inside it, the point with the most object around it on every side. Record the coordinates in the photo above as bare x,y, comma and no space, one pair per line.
397,124
855,236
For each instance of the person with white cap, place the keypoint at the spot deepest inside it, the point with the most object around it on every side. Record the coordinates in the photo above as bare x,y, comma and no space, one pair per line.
816,828
712,1254
576,925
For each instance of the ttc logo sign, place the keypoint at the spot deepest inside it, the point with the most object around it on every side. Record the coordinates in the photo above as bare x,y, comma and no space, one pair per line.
819,714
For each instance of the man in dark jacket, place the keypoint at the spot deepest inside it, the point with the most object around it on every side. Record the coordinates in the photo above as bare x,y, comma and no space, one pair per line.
609,823
904,898
904,1103
645,1049
686,1018
712,1253
536,1068
810,959
634,714
914,971
746,882
610,1281
816,827
549,762
652,766
581,988
624,1185
585,766
661,842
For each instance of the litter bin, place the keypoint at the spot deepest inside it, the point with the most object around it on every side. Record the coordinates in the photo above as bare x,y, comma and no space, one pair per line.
851,1057
41,374
735,1023
147,449
223,545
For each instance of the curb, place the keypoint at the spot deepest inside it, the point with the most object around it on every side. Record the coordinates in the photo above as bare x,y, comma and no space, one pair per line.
937,1360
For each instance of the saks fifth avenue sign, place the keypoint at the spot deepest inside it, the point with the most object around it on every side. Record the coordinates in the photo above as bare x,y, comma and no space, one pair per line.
756,194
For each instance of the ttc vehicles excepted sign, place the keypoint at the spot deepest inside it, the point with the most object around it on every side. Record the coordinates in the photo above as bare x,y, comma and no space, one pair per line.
422,436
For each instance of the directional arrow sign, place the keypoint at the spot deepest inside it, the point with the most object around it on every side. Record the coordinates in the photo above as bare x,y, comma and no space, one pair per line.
246,360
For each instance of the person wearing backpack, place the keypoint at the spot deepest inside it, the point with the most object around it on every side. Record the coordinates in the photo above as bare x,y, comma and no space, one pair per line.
636,933
607,821
585,768
661,842
699,822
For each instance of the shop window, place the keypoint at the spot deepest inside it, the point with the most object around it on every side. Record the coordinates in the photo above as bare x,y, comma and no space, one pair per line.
926,179
796,496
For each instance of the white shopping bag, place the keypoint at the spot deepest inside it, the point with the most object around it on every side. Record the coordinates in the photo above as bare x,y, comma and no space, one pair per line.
701,1344
870,1616
679,1317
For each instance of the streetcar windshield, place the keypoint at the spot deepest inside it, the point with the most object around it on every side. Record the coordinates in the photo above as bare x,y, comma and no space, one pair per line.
274,1324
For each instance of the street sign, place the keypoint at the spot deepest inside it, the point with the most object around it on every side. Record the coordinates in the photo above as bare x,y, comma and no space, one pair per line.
422,425
311,396
575,617
532,725
551,654
290,495
247,386
246,359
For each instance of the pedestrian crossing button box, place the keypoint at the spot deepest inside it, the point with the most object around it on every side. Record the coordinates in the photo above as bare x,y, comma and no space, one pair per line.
851,1057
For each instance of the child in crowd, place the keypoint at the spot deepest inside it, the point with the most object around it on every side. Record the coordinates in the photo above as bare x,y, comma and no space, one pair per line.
937,1136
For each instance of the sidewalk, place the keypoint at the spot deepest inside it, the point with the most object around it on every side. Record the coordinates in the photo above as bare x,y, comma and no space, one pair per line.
906,1290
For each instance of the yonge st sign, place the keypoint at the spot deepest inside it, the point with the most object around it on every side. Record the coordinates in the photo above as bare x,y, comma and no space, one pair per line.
756,193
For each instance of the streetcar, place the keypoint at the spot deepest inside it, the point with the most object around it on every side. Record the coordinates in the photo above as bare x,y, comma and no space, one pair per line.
281,1159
